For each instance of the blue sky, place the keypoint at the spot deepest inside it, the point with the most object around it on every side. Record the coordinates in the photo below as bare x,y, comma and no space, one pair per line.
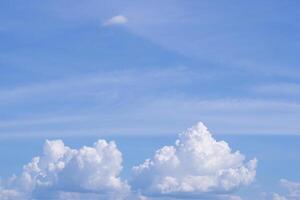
140,72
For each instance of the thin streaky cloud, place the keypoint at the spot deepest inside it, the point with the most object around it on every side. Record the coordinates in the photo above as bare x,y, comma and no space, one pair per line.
288,89
247,116
78,84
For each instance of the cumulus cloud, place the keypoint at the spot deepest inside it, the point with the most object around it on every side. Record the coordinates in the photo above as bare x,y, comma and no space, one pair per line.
65,173
196,166
116,20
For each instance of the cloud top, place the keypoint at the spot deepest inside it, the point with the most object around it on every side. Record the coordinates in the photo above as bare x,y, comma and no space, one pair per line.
196,165
116,20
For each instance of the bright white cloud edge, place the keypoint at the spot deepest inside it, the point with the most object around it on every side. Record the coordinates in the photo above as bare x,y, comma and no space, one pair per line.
196,166
62,173
116,20
94,172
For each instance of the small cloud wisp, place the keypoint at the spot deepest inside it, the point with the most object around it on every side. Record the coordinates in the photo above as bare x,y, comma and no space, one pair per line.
116,21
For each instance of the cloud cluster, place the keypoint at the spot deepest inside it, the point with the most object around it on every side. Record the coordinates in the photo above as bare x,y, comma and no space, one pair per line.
63,172
197,165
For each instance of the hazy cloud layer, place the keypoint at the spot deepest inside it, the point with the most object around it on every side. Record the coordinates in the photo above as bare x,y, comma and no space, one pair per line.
123,96
293,189
278,197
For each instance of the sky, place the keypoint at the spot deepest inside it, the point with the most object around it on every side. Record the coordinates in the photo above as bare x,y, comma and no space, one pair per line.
98,87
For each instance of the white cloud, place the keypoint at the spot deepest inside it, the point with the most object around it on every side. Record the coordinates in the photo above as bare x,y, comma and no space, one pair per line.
278,197
116,20
7,194
65,173
234,197
197,165
293,189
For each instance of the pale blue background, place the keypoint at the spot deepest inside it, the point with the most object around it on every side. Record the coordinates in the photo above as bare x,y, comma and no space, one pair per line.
232,64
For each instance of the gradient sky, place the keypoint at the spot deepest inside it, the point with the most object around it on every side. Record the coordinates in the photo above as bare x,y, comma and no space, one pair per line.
140,72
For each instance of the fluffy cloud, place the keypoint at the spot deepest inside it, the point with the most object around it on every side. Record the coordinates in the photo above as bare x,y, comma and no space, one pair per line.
197,165
65,173
116,20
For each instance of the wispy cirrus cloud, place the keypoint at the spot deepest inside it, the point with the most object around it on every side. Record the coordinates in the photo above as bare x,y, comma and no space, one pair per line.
279,89
164,116
161,97
160,116
96,83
